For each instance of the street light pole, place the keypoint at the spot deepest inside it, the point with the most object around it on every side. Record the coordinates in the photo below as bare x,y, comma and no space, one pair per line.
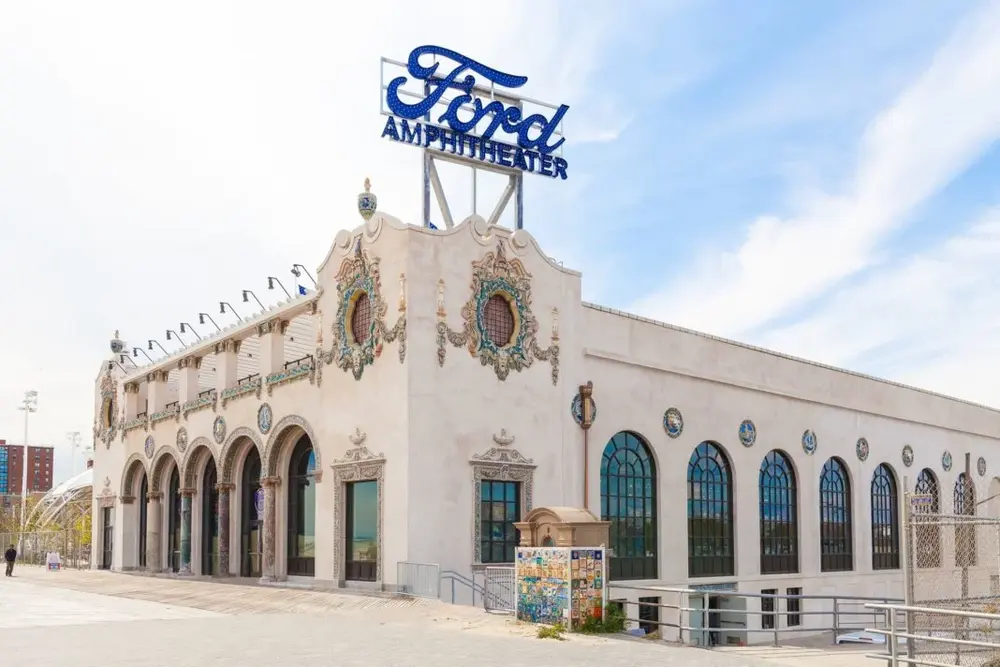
28,405
74,442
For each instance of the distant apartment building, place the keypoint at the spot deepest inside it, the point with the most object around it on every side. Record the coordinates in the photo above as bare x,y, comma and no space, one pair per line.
39,462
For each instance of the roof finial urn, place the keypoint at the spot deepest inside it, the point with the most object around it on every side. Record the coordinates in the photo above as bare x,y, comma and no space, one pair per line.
367,202
117,344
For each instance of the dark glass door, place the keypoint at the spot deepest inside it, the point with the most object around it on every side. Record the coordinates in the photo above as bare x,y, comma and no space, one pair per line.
143,518
209,522
362,531
302,510
174,522
108,541
251,516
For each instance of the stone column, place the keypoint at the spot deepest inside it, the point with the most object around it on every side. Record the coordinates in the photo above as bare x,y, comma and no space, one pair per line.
186,495
225,492
154,559
270,485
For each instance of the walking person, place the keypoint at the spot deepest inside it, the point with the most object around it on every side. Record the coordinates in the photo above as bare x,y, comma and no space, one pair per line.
10,556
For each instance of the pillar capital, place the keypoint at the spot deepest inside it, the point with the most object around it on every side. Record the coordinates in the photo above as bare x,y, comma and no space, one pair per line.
225,487
273,480
188,493
154,496
126,500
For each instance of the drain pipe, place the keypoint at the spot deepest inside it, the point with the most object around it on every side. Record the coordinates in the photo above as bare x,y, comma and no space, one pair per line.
586,408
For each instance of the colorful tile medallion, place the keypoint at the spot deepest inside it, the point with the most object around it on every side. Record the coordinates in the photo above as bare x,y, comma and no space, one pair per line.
149,447
264,417
219,429
809,442
946,461
981,466
862,449
907,456
576,409
748,433
673,422
182,439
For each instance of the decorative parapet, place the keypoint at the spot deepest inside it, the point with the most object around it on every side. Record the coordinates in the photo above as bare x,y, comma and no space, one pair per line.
306,368
133,424
208,400
173,412
240,390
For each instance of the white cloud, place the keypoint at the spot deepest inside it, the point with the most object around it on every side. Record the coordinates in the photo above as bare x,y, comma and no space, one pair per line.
929,319
935,129
155,161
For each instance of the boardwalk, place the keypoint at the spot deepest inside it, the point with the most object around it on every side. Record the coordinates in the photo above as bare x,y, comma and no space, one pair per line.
113,620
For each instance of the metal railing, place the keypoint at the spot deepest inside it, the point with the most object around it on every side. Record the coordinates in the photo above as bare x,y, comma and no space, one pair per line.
458,584
938,637
499,590
421,580
206,393
72,545
295,362
696,617
248,379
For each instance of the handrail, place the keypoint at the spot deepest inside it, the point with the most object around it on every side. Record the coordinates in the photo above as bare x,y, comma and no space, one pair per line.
956,637
174,404
465,581
207,392
248,378
296,362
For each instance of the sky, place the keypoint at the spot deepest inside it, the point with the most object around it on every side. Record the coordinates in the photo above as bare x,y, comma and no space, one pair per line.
816,178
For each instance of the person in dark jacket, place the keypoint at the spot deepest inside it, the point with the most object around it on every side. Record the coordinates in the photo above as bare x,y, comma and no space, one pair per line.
10,556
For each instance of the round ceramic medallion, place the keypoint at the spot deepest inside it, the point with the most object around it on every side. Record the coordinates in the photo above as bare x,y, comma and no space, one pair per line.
264,418
182,438
862,449
946,461
219,429
149,447
576,408
907,456
748,433
981,466
809,442
673,422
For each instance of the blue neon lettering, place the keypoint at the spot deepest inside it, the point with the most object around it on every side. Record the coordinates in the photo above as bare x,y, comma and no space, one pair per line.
507,118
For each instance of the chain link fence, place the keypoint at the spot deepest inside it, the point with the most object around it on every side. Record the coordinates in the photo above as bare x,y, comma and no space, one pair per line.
72,546
953,567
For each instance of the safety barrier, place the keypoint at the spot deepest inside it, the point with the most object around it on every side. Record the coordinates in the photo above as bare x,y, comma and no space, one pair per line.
421,580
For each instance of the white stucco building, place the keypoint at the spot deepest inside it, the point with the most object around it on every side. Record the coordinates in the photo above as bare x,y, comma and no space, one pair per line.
428,393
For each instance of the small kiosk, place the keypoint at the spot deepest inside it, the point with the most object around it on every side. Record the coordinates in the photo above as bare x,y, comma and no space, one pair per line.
560,571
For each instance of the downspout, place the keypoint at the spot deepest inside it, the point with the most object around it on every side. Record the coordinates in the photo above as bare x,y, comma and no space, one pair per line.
586,403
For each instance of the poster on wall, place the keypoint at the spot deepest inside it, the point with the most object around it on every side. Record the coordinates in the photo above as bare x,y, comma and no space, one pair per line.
559,584
541,575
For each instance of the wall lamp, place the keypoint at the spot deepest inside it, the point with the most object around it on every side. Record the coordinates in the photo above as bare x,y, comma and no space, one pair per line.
270,285
151,341
171,331
246,300
123,357
185,326
222,309
297,270
137,350
203,316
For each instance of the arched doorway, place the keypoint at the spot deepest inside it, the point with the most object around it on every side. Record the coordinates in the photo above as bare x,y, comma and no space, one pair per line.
174,521
143,519
209,520
251,515
628,503
302,509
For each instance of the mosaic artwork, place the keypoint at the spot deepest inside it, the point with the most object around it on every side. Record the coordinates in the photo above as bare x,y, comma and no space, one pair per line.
542,578
981,466
359,276
219,429
748,433
946,461
491,276
907,456
149,447
809,442
264,417
673,422
576,409
587,591
862,449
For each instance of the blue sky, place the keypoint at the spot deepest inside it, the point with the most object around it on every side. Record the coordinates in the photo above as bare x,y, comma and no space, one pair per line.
816,178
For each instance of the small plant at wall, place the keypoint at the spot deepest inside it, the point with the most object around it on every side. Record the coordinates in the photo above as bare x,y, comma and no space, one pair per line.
551,632
614,622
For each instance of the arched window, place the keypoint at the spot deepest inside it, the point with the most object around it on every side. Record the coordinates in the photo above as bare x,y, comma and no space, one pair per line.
779,551
928,537
965,529
711,549
628,502
835,526
885,520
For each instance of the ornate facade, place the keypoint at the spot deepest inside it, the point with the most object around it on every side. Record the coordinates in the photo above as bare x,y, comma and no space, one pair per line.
300,444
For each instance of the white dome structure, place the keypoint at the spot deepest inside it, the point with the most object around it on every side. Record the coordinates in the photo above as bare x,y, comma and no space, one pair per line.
49,507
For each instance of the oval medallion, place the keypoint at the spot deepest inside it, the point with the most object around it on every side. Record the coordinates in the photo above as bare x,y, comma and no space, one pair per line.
946,461
981,466
809,442
576,408
907,456
862,449
748,433
264,418
182,438
673,422
219,429
149,447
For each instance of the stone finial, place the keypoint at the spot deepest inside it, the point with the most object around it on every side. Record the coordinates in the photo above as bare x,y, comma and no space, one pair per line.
117,344
358,437
367,202
502,438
